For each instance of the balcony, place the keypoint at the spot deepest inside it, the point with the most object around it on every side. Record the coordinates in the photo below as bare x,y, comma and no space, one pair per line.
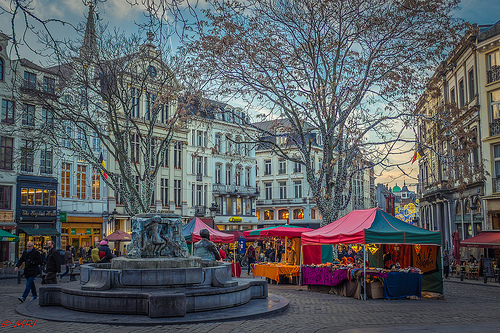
493,74
297,170
199,177
281,171
235,189
495,127
200,211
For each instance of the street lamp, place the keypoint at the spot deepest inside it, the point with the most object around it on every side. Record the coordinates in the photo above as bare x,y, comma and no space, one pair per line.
213,209
113,219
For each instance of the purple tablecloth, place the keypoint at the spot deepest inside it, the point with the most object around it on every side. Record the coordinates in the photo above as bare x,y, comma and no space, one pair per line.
323,276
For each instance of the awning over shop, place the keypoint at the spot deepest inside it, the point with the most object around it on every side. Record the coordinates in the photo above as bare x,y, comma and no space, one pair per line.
41,232
486,239
6,236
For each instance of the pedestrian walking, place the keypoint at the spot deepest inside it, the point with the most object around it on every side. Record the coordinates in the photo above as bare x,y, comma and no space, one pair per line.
53,265
32,261
446,264
250,255
68,260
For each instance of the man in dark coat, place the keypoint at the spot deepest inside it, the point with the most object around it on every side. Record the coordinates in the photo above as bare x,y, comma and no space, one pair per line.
32,261
53,265
205,248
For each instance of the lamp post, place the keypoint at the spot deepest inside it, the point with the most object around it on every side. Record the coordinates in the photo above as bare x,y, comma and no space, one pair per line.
113,219
213,209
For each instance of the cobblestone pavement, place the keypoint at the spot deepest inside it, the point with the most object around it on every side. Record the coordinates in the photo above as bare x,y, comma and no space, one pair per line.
468,307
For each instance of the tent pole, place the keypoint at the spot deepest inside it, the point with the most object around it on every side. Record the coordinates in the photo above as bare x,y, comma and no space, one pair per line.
300,268
286,249
364,271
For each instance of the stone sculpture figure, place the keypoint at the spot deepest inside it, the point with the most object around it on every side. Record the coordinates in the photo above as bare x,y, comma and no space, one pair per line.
205,248
157,236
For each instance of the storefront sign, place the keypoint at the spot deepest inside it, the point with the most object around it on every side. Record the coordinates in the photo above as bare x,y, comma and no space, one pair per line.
73,231
6,216
241,245
63,216
38,213
89,231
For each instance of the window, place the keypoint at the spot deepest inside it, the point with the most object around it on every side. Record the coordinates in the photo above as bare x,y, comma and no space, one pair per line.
164,158
5,197
228,174
452,95
135,148
493,72
313,214
283,214
81,178
27,155
267,167
134,107
47,118
217,142
495,104
65,180
297,167
152,150
218,171
298,214
282,167
46,160
150,99
53,198
28,115
6,152
164,112
269,215
38,197
31,197
199,139
29,80
177,192
1,70
269,190
7,112
496,152
238,177
199,165
205,166
49,85
471,85
96,185
247,177
461,93
177,155
199,192
282,190
228,144
164,192
298,188
46,197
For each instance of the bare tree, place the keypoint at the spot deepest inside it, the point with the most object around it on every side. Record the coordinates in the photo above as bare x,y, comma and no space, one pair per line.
117,100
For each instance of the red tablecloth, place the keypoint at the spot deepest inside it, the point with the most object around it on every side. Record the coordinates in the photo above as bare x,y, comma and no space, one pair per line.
236,269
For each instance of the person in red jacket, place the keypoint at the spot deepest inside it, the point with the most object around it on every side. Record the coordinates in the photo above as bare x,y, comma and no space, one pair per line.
250,254
222,253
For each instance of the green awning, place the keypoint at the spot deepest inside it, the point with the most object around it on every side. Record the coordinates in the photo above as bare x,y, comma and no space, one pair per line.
6,236
41,232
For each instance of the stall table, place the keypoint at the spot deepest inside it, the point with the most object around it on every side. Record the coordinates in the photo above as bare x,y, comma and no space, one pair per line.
236,269
400,285
273,272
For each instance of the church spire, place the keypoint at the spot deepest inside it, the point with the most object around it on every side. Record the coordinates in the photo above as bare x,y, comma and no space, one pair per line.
88,51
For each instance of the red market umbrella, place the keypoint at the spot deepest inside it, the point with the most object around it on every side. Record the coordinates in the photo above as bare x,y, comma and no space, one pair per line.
191,232
278,231
119,236
239,234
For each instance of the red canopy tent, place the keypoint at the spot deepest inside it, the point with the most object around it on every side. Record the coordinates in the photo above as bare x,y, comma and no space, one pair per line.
239,234
119,236
486,239
191,232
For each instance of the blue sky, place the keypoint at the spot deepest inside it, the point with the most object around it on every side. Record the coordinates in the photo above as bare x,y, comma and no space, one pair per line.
118,13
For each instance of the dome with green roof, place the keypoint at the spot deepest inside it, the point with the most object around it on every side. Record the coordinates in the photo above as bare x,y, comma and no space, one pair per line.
396,189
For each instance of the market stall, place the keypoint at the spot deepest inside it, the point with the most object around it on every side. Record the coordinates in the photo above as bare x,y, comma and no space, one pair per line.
290,268
384,242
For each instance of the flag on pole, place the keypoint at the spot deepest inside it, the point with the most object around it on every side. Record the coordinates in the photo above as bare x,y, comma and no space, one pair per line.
418,153
101,160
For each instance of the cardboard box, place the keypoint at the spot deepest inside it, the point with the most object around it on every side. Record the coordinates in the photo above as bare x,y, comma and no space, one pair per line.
375,290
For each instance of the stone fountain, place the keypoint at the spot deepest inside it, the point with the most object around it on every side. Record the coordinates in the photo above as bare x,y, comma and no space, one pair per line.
158,278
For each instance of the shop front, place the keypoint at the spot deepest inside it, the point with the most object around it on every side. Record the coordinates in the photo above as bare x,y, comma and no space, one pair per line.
7,223
36,210
80,230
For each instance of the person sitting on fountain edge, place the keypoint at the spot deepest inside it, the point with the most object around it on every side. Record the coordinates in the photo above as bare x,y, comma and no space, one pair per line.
105,253
205,248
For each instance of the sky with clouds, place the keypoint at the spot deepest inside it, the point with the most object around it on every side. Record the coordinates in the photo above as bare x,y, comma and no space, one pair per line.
121,14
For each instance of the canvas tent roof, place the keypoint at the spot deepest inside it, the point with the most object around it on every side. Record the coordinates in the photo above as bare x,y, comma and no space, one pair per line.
371,226
191,232
486,239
